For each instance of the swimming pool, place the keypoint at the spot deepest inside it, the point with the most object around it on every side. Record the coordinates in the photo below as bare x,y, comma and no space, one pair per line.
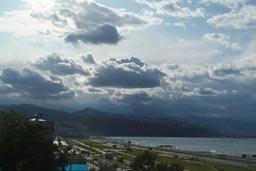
77,167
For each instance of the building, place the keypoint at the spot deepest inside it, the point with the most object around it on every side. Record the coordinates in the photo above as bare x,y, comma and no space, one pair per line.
49,125
128,146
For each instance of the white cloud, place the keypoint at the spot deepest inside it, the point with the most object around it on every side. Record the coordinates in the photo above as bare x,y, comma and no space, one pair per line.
244,18
227,3
205,92
137,74
222,39
167,24
57,65
165,88
181,40
183,25
59,18
171,8
21,23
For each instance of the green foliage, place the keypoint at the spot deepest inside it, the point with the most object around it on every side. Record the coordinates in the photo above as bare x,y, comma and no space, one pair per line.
144,161
92,169
172,167
26,146
107,168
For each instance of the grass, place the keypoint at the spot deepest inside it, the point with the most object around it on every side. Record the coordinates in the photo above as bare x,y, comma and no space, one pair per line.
84,147
201,165
191,165
91,143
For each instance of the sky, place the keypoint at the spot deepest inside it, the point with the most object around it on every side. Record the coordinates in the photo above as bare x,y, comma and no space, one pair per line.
145,57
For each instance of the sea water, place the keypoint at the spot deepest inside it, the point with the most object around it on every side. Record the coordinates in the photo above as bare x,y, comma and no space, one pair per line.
228,146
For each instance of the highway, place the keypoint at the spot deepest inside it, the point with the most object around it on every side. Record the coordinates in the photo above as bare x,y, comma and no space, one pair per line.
234,162
246,164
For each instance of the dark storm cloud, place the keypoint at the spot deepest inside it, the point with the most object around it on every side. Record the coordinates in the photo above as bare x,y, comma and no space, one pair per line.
139,102
59,66
33,85
126,74
106,34
161,103
141,97
150,103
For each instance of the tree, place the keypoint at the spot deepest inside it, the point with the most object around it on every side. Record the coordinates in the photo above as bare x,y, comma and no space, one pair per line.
26,146
144,161
165,167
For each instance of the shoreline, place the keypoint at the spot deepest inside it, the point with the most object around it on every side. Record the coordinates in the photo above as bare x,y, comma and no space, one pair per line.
220,146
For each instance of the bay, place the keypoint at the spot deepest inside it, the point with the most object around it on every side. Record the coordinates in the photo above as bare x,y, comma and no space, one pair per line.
228,146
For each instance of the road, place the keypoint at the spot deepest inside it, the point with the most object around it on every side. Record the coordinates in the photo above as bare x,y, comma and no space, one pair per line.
246,164
85,145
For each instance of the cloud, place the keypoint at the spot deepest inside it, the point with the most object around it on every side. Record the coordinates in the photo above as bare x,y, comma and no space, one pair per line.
130,60
31,84
130,85
226,71
180,40
75,20
106,34
59,66
88,59
141,96
171,8
182,25
220,88
160,102
228,3
126,73
207,92
143,102
222,40
93,13
244,18
96,90
4,89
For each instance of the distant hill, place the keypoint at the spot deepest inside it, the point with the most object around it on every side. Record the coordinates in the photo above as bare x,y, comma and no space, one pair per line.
227,126
89,122
29,110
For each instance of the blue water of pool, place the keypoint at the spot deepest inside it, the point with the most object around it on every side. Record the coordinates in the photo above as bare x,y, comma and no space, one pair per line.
77,167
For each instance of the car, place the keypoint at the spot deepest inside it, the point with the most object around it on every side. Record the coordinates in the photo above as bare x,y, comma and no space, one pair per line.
120,159
109,155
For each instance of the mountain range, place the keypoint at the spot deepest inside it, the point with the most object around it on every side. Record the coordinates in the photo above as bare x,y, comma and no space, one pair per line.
92,122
